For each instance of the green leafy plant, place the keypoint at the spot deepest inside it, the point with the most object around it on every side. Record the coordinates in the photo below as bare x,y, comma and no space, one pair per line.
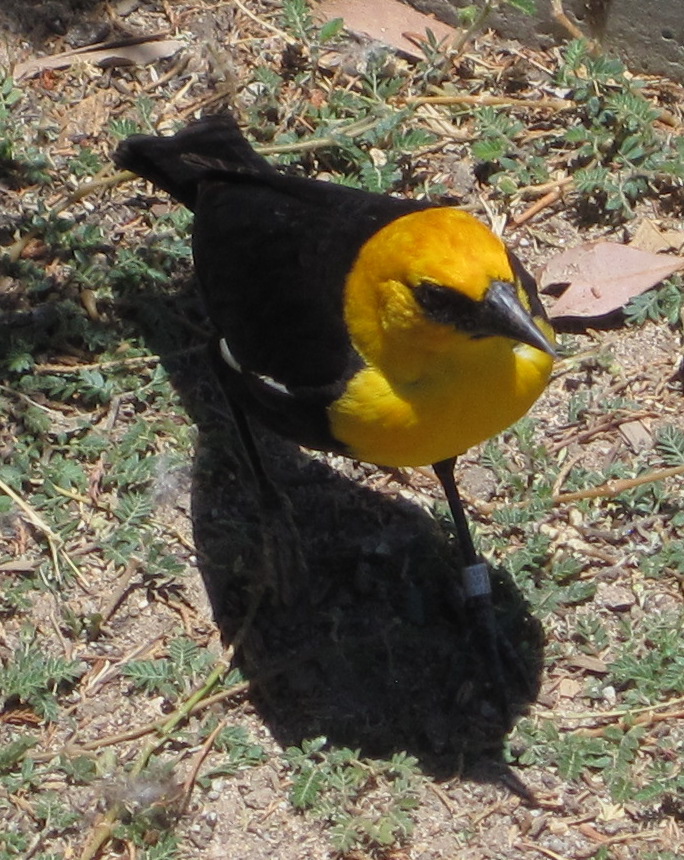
664,303
670,445
170,676
367,803
610,144
239,751
35,679
616,149
652,663
9,97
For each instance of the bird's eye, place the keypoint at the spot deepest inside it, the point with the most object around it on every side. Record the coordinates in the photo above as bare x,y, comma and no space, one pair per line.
447,306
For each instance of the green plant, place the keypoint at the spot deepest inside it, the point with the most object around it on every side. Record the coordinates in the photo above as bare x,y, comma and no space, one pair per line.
239,752
9,97
664,303
670,445
21,162
35,679
651,662
86,163
367,803
610,144
617,151
170,676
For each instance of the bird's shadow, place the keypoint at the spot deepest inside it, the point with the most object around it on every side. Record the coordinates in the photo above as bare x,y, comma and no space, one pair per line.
86,21
359,632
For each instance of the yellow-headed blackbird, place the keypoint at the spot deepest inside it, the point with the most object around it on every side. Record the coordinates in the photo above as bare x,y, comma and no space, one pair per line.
397,332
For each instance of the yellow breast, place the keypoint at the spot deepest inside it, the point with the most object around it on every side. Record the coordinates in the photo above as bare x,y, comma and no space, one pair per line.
429,391
464,402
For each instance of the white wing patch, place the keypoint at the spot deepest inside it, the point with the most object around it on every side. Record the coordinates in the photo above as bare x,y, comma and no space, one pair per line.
274,384
268,381
227,356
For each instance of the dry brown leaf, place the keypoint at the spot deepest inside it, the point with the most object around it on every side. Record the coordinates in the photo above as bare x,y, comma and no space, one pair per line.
387,21
135,51
649,237
568,688
637,435
603,276
588,664
91,113
674,239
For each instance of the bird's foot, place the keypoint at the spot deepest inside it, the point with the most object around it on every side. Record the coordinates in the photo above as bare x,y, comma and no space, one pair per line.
501,657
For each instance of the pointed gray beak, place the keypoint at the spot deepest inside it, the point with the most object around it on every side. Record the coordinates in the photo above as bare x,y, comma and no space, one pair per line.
506,316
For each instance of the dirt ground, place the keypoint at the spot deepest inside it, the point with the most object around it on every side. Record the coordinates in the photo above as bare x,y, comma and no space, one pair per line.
373,650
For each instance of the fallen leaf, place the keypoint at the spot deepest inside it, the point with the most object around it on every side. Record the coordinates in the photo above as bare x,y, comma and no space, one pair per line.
568,688
387,21
675,239
649,237
637,435
588,664
134,51
91,113
611,811
601,277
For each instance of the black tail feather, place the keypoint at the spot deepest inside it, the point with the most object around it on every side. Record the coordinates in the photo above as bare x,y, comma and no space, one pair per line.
164,161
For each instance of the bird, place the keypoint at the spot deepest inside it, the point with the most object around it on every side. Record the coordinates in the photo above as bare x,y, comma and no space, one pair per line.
394,331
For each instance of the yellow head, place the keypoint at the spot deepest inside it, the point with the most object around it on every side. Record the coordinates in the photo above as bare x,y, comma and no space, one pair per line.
456,346
424,283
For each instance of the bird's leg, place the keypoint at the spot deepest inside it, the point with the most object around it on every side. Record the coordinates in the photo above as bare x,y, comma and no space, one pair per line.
266,489
282,552
445,472
478,590
475,573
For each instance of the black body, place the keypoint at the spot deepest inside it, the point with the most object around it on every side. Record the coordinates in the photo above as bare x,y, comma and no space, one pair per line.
271,253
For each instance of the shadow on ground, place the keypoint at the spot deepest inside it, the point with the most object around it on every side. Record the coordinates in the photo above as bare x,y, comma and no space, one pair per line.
81,21
360,633
372,648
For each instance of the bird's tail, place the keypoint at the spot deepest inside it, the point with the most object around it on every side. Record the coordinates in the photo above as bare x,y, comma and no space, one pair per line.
177,164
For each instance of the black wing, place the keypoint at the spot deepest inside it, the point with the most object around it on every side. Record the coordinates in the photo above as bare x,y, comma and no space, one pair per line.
272,254
271,251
